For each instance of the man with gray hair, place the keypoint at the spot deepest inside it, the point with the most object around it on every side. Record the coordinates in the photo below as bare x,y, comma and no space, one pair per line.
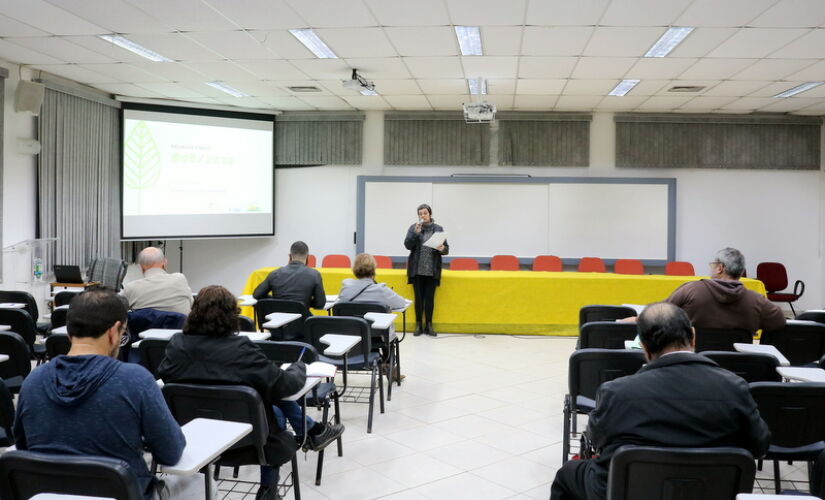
723,302
158,289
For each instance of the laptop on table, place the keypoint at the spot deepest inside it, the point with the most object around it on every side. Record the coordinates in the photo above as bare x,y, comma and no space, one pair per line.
67,274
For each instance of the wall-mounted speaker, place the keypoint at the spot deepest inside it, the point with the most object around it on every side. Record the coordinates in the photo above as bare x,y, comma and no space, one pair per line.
29,96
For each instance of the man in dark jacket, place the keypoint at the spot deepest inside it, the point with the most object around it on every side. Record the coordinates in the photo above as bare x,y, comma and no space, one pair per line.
295,281
678,399
88,403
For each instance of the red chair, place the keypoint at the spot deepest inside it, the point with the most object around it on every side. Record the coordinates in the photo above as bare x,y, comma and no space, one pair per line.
504,263
547,263
463,264
336,260
775,278
311,260
591,265
679,268
628,266
382,262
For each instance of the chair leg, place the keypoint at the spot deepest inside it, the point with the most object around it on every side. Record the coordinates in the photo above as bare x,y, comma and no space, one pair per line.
398,361
296,483
565,446
319,468
792,309
390,368
217,472
381,393
207,482
372,399
235,471
777,481
337,418
573,416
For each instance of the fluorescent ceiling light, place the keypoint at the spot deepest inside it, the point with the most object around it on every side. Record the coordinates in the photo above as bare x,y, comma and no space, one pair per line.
798,89
623,87
131,46
469,39
314,44
368,92
477,85
226,88
669,41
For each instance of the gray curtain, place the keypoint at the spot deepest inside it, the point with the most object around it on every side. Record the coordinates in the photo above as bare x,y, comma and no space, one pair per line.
4,73
78,177
544,139
434,139
718,141
318,139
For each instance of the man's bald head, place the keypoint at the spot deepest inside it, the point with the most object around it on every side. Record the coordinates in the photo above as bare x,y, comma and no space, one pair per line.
151,257
664,327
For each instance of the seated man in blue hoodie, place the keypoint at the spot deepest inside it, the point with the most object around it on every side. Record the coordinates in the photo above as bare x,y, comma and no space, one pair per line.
89,403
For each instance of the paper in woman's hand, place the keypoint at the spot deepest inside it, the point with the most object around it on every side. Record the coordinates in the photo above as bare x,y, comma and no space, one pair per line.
436,240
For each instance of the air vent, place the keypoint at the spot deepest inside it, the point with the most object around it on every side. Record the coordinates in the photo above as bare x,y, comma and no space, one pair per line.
686,88
304,89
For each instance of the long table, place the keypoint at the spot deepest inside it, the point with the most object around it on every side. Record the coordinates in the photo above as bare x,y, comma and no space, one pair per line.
515,302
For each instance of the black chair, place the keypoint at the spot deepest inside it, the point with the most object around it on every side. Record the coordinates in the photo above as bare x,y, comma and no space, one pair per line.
588,314
22,297
587,370
63,298
24,474
292,330
234,403
245,324
56,345
794,415
59,317
817,479
606,334
679,473
18,367
152,352
319,397
6,416
753,367
817,315
360,358
109,272
802,342
721,339
23,324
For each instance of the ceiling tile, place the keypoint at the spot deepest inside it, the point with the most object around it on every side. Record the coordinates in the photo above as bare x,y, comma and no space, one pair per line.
499,86
620,103
324,101
814,72
577,103
772,69
77,73
701,41
176,72
728,13
791,14
489,66
528,86
185,15
243,102
327,69
231,44
663,103
116,16
259,14
589,87
557,41
227,70
108,49
11,27
336,14
643,12
126,89
270,70
775,88
60,48
707,103
486,12
434,67
502,102
445,87
282,43
357,42
408,102
707,84
565,12
332,87
406,13
812,111
501,40
424,41
385,67
173,90
124,72
201,88
535,102
630,42
755,42
649,87
660,67
736,88
259,89
367,102
788,105
447,102
748,103
283,86
711,69
175,46
397,87
814,92
546,67
48,18
602,67
287,103
808,46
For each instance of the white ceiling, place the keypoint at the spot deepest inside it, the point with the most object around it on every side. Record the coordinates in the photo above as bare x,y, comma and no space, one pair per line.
539,54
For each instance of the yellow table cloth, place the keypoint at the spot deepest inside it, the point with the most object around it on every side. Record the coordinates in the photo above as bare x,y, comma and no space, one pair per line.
514,302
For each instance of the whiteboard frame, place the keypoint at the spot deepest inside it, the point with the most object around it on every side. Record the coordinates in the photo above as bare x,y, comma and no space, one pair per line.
670,182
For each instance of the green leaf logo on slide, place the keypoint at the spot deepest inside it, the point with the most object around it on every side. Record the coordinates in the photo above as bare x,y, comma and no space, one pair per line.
141,163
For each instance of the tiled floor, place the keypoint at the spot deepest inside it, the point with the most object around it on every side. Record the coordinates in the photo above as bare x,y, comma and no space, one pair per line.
478,417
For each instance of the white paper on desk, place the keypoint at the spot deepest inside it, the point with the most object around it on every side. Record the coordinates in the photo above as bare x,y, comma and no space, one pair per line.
436,240
317,369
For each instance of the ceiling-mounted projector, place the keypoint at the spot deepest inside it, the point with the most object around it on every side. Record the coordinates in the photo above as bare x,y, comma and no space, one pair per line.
479,112
359,84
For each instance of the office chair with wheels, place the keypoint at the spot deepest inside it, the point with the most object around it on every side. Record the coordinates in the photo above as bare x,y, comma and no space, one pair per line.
775,278
109,272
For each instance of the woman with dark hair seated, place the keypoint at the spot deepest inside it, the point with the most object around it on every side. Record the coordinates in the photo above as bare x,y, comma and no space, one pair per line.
209,351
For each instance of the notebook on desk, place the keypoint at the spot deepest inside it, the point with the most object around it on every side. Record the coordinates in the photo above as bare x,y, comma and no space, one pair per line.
67,274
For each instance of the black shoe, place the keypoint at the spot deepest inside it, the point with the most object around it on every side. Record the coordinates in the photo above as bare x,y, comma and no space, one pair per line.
418,331
429,330
331,432
267,493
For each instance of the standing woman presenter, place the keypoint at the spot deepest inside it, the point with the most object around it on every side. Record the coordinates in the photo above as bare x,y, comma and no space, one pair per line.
424,267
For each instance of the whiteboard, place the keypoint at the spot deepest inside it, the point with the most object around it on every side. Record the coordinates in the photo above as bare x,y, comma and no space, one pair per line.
391,208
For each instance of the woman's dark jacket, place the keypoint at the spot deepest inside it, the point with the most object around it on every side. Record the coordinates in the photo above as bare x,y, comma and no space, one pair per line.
413,243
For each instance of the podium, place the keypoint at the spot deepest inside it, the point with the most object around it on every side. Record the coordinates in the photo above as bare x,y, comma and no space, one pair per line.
20,259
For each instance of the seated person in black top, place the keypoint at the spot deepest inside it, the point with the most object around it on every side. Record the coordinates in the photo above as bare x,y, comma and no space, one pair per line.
295,281
679,399
209,351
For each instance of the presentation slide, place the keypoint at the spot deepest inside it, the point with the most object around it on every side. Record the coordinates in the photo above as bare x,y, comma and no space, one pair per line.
187,175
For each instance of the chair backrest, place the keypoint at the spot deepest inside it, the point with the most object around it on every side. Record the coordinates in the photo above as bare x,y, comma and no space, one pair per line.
291,330
382,262
318,326
20,323
57,345
773,275
24,474
63,298
590,368
793,412
144,319
679,473
504,263
606,334
59,317
604,313
336,260
110,272
19,363
21,297
547,263
245,324
721,339
817,479
679,268
358,309
802,342
591,265
6,415
463,264
751,366
817,315
311,260
288,351
152,352
235,403
628,266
